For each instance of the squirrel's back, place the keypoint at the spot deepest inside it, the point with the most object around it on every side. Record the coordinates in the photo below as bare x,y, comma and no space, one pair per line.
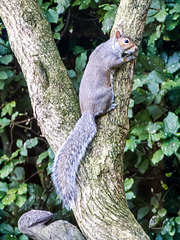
68,158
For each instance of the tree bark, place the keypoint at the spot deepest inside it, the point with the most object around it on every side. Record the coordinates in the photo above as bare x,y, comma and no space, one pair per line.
101,209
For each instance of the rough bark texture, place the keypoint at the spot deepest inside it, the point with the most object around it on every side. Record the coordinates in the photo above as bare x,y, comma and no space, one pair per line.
101,209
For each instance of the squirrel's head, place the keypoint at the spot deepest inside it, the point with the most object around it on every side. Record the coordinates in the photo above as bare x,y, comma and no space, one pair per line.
125,43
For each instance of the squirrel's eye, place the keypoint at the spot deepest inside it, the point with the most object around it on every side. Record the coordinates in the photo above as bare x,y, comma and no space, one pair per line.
126,41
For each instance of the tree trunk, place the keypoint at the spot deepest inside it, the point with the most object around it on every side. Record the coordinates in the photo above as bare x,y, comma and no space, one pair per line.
101,209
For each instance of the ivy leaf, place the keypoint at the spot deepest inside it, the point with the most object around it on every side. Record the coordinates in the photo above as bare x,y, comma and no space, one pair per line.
173,63
154,221
177,219
157,156
109,17
81,62
171,123
156,111
20,200
128,182
30,143
6,170
6,59
23,237
19,143
22,189
153,127
62,5
3,187
4,122
19,174
161,15
42,156
143,166
170,146
131,144
130,195
8,108
162,212
3,75
52,16
9,198
6,228
142,212
23,151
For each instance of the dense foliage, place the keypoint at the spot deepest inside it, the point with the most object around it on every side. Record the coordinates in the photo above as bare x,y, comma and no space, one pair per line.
152,152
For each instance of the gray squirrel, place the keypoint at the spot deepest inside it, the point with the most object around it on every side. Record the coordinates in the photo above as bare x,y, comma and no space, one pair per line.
96,98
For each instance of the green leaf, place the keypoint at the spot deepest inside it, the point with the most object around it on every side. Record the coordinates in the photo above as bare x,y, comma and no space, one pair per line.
6,59
8,108
78,50
130,195
6,170
162,212
156,111
140,131
157,156
173,63
154,221
177,219
30,143
81,62
62,5
19,143
171,123
35,189
143,166
20,200
3,75
6,228
128,182
153,127
155,76
142,212
14,115
57,36
19,174
22,189
170,146
52,16
3,187
109,17
158,136
2,84
22,237
8,199
42,156
131,144
23,151
161,15
4,49
71,73
4,122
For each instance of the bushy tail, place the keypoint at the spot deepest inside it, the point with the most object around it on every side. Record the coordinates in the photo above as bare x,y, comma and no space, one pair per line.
68,158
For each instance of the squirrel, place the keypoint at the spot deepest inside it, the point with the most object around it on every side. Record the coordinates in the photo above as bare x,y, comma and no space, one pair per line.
96,98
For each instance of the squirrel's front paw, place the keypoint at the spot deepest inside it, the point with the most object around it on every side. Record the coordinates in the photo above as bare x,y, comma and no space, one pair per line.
128,58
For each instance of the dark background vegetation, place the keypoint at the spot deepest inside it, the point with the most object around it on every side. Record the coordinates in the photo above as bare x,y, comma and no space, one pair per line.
152,152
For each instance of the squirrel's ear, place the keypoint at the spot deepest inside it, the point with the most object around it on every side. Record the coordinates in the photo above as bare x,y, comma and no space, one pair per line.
117,35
